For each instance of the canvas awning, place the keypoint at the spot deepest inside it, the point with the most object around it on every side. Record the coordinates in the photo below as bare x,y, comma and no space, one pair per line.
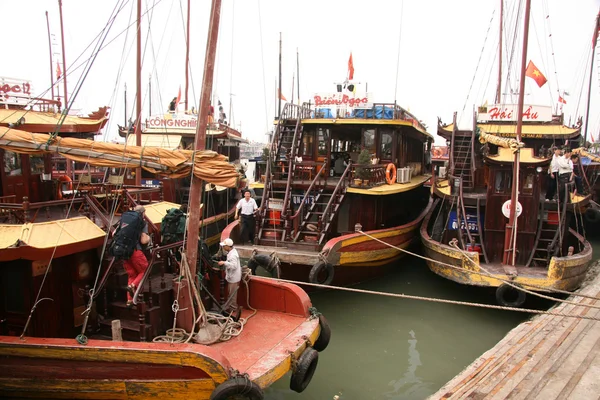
169,142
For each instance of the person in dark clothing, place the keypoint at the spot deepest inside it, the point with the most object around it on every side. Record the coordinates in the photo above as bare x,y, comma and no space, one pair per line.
577,174
246,207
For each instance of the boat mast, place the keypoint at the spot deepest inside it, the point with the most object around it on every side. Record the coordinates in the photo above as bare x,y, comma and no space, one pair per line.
510,236
196,185
150,95
298,73
279,91
50,48
125,95
64,74
587,112
187,57
138,87
499,88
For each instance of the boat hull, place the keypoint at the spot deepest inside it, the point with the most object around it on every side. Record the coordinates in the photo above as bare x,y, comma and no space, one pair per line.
564,273
355,257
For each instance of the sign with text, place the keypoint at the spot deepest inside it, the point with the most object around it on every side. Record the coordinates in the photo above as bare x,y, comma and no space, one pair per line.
170,121
470,222
506,209
508,112
343,99
15,91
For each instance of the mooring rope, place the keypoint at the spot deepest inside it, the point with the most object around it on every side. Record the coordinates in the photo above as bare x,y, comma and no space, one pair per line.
487,274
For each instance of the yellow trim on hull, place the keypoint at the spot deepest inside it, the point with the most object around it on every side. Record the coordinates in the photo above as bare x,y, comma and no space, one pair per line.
392,189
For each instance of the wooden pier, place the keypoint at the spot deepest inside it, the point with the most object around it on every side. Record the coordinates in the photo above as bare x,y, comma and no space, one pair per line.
548,357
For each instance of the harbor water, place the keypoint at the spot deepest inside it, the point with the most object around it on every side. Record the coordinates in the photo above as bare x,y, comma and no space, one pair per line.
394,348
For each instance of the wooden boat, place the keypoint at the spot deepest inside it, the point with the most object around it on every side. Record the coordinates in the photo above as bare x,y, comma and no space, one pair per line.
86,343
498,173
310,197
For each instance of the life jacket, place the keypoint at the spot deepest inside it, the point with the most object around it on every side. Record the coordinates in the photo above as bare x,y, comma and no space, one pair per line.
127,235
172,227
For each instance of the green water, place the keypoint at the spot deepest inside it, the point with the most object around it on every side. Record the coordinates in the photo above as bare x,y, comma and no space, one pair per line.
392,348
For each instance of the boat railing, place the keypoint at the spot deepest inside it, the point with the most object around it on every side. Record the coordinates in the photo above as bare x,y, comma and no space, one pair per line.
22,211
333,200
298,215
375,172
294,111
291,167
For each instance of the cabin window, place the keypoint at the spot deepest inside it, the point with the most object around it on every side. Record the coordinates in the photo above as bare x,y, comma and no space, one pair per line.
323,139
307,145
369,140
502,183
12,282
12,163
36,164
528,184
386,145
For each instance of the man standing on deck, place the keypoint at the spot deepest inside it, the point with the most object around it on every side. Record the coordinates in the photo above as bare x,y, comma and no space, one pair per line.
246,206
553,175
565,175
233,274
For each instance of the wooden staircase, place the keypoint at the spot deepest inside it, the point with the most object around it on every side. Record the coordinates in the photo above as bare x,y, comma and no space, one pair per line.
475,237
463,160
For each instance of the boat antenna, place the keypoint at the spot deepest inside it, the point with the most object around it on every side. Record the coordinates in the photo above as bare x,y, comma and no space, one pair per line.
587,112
298,73
398,52
50,48
64,74
510,236
200,142
125,95
279,92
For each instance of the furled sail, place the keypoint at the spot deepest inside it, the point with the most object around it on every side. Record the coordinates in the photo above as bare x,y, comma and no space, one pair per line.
508,143
208,165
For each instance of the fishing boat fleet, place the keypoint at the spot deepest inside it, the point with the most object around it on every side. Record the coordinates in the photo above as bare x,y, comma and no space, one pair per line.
348,185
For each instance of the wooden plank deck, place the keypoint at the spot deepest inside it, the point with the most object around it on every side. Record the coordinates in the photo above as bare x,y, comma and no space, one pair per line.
548,357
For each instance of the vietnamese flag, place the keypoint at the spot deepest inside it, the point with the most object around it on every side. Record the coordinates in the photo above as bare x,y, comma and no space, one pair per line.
350,68
533,72
58,71
281,96
561,100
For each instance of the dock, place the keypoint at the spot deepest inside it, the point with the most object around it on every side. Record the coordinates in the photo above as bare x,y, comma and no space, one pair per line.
548,357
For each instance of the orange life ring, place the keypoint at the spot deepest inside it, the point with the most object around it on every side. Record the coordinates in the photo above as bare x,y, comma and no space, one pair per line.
390,179
63,179
437,152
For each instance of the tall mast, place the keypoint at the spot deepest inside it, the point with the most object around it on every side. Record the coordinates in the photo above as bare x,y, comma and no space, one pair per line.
499,88
138,88
298,73
150,95
125,95
587,112
279,91
62,39
187,57
207,83
50,48
510,234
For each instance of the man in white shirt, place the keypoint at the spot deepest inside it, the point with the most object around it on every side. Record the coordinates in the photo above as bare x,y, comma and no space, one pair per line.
553,175
233,273
246,207
565,174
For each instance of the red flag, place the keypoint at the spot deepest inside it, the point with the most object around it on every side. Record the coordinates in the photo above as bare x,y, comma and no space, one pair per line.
534,73
178,98
58,71
350,68
592,137
281,96
561,100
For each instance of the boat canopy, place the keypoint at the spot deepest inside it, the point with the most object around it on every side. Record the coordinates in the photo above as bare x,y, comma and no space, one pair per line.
209,166
55,122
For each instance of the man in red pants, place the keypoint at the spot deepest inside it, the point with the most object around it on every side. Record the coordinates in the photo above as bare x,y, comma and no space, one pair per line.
137,264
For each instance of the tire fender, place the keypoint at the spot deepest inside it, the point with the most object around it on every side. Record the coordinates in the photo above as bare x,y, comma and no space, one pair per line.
305,369
241,387
313,276
502,296
325,336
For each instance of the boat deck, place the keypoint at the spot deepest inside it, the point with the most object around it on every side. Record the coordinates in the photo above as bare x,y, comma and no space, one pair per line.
259,346
548,357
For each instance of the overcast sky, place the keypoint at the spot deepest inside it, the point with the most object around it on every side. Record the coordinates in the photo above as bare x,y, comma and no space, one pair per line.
447,52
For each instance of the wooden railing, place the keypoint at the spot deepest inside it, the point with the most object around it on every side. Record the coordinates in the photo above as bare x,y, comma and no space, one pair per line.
298,213
375,172
326,216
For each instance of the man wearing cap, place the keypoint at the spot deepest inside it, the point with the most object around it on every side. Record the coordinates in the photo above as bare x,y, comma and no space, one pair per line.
233,273
246,206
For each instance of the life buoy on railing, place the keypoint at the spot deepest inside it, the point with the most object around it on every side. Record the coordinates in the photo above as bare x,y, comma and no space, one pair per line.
437,152
390,169
320,266
63,180
238,387
305,369
270,263
324,336
508,296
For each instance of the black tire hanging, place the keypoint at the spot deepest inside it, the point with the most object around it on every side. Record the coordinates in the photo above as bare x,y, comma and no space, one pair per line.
325,336
269,263
238,387
305,369
592,216
313,276
508,296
